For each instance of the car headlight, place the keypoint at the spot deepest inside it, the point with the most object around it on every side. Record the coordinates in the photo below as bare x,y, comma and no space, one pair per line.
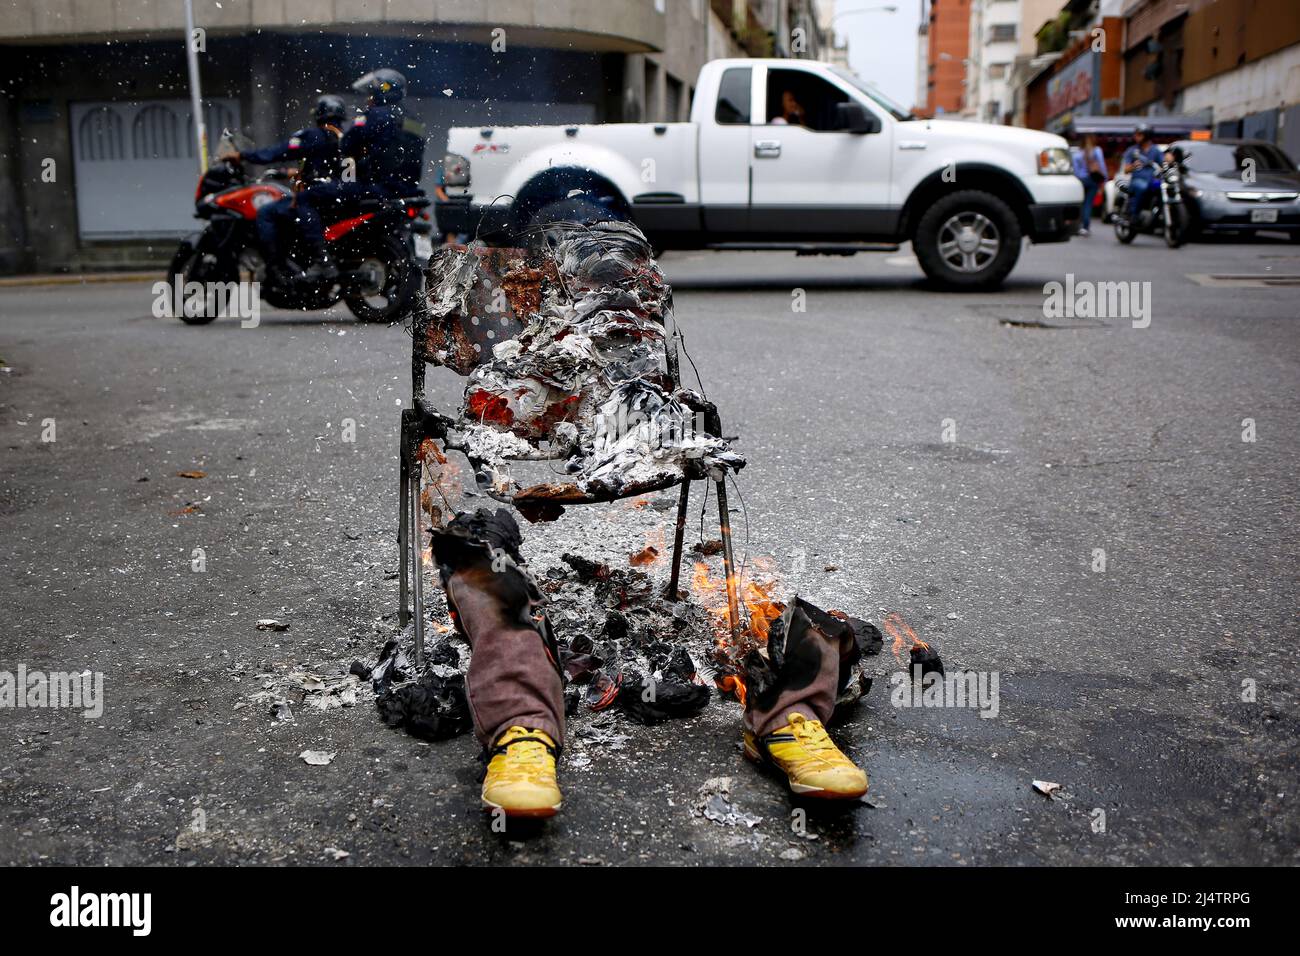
1213,195
1055,162
455,170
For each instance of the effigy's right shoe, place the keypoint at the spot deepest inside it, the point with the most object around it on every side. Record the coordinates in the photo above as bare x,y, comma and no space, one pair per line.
810,760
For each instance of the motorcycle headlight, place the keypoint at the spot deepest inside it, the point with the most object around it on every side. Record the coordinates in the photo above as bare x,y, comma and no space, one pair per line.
1055,162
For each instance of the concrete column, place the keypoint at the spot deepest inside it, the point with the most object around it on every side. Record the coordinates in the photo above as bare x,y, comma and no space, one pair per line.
13,226
634,91
264,117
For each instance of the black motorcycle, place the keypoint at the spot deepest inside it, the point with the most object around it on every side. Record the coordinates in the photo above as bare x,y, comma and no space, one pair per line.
1161,209
381,248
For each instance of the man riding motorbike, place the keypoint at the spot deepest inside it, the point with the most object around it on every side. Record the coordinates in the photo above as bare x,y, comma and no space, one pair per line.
384,157
1141,160
317,148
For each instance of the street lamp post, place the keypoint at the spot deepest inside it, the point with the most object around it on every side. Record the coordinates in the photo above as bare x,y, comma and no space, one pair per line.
196,95
887,8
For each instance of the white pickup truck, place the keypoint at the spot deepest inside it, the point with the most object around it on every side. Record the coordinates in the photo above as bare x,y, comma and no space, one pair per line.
778,154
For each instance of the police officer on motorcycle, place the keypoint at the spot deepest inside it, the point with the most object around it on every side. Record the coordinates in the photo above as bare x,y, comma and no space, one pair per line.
317,149
383,159
1141,160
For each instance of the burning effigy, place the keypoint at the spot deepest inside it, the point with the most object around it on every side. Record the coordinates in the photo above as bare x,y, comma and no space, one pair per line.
569,362
566,361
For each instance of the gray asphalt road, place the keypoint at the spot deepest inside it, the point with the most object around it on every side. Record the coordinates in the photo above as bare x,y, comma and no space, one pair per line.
1130,687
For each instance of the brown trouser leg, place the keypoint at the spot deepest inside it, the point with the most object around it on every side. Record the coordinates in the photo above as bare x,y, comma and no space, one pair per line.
513,679
814,652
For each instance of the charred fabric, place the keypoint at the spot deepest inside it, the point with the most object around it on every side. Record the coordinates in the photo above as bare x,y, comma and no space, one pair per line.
567,360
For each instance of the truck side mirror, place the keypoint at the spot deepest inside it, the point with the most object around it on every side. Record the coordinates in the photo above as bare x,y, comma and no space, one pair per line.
854,118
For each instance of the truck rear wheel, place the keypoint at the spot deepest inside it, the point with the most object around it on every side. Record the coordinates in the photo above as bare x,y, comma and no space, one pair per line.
562,212
967,240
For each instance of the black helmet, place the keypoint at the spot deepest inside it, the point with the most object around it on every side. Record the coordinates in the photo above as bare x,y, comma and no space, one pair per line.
1144,130
384,87
330,109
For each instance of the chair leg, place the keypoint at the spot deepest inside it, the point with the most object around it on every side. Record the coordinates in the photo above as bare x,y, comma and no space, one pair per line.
403,521
683,500
729,564
416,552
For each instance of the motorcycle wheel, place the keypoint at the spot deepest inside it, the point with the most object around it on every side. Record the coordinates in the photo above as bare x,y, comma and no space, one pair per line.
186,264
1124,232
391,293
1176,228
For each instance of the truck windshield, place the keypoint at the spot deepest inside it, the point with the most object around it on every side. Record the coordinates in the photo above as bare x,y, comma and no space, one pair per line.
877,97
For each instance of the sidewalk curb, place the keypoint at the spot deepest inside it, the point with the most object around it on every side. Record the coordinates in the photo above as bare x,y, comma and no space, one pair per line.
92,278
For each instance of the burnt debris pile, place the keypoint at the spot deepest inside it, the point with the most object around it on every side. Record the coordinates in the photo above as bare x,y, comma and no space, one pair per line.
623,647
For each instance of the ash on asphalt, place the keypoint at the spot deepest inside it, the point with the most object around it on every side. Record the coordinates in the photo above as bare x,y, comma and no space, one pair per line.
1153,691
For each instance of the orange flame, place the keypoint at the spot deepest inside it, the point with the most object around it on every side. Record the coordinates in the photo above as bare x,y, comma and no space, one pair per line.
653,552
759,608
904,637
732,684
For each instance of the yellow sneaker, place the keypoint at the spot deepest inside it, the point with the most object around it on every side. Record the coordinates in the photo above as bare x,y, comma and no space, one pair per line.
521,775
815,766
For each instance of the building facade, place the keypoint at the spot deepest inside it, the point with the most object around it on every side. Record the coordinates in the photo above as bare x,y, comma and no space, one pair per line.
1235,64
1077,66
98,159
994,42
947,53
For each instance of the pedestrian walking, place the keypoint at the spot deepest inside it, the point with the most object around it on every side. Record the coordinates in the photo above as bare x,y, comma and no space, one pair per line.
1090,169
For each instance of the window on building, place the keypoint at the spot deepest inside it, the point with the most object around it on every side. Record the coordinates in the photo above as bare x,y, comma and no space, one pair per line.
733,97
652,101
1002,33
99,135
672,99
997,71
156,134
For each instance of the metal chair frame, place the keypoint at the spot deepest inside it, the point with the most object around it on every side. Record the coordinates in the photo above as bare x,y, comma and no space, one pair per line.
421,421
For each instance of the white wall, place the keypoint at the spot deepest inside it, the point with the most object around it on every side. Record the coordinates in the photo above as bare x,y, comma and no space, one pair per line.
1266,84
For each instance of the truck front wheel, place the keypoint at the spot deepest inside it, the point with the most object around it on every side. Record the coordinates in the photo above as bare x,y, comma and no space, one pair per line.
967,240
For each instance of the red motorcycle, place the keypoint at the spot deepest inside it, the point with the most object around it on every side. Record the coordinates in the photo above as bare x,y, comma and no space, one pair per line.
381,250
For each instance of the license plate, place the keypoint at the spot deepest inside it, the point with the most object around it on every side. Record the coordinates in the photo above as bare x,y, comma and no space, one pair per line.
1263,215
424,245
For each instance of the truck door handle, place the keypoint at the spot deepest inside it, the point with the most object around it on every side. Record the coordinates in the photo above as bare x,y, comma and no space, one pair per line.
767,148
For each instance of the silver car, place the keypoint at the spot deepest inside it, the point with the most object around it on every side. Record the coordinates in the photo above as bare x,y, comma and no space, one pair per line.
1241,186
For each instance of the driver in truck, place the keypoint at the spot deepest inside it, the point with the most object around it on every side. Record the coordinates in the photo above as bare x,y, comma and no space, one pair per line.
792,114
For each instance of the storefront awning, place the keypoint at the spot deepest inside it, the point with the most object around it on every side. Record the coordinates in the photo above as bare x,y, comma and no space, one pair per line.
1163,128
